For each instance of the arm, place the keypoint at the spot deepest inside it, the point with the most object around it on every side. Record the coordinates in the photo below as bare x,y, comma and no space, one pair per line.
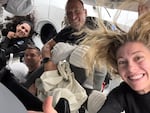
5,42
49,66
115,102
11,35
46,52
110,106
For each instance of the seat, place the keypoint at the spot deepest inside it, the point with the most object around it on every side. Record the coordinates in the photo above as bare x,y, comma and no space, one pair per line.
30,101
9,102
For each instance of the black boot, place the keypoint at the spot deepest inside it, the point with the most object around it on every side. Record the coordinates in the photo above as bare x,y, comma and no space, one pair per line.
63,106
2,58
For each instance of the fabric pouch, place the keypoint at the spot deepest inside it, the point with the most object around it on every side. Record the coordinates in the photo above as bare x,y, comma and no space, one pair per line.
61,84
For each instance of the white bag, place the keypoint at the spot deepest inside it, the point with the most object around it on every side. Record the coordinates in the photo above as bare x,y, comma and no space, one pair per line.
59,84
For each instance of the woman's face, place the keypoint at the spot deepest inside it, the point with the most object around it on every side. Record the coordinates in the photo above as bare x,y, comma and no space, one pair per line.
23,30
133,61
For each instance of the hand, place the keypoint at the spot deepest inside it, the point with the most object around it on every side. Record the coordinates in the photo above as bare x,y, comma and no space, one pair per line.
11,35
46,51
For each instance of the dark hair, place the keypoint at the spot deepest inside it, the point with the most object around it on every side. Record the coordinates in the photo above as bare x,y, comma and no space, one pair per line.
30,24
15,20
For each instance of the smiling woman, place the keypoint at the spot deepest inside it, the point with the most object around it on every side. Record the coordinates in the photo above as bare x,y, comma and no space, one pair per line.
128,54
16,38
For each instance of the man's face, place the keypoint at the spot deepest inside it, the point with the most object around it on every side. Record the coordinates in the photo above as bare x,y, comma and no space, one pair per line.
23,30
32,58
76,14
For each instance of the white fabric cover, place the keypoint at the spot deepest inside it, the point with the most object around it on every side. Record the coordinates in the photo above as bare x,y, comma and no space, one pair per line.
77,56
95,101
61,51
19,7
61,84
75,53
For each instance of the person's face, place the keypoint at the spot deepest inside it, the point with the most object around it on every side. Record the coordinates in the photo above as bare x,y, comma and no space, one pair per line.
143,8
23,30
133,61
76,14
32,58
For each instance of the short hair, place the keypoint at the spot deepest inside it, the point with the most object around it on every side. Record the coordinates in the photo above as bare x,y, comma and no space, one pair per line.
73,0
31,46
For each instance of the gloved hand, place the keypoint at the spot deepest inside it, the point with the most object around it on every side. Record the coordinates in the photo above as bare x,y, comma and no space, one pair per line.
2,58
